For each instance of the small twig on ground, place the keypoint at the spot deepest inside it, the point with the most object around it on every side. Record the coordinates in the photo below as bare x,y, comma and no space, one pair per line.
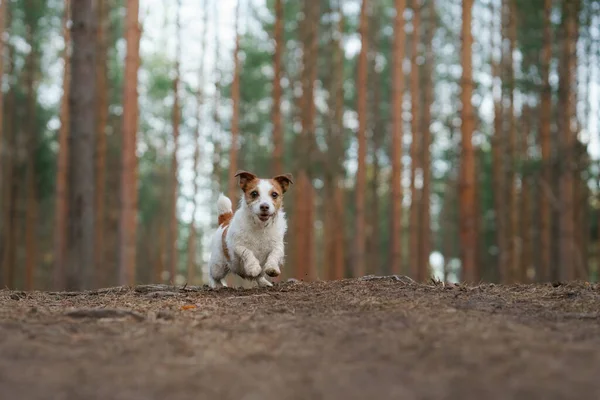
100,313
67,294
155,288
163,294
400,278
246,297
118,289
168,288
581,316
194,288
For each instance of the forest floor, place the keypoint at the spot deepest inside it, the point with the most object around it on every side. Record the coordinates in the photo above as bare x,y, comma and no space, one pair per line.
353,339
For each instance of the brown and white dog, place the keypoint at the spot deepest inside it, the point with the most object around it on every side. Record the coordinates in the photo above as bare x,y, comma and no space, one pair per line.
249,243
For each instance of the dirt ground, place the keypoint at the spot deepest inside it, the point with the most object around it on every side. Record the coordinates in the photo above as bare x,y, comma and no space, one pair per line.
353,339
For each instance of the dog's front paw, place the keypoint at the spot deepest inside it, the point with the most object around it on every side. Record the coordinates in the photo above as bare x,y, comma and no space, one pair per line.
272,270
263,282
253,269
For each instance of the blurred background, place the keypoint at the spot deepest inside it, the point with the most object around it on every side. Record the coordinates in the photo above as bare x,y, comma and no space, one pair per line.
122,120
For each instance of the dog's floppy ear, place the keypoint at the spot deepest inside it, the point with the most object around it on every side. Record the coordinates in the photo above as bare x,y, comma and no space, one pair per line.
285,181
244,178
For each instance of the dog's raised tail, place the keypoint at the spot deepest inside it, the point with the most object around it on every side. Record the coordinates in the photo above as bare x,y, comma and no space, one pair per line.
225,209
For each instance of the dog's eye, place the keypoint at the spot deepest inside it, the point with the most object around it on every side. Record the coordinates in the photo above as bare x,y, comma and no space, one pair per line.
274,195
254,194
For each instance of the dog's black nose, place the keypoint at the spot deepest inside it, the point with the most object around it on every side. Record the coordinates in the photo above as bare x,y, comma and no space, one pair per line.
264,207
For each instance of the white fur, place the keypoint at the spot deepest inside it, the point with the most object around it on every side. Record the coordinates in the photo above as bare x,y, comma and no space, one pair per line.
255,247
224,204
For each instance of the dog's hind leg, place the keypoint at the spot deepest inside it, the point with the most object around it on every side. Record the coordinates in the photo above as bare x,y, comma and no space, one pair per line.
263,281
216,276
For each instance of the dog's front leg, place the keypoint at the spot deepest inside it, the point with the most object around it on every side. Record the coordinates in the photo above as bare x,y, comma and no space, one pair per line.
274,261
250,264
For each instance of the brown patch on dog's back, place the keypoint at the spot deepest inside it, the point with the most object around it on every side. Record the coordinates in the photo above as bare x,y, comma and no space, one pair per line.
225,219
224,243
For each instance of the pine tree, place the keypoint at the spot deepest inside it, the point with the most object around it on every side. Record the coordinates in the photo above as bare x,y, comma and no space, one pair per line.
373,239
468,233
102,121
525,201
361,108
566,99
334,210
193,238
80,238
3,8
129,184
277,92
60,213
425,217
32,206
11,185
498,151
176,115
415,145
235,118
397,134
545,113
304,211
513,209
216,139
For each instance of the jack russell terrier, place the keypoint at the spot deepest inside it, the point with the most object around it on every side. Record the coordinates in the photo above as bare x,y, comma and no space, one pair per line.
249,243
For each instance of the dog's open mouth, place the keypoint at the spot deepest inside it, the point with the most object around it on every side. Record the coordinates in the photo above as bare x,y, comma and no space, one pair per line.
264,217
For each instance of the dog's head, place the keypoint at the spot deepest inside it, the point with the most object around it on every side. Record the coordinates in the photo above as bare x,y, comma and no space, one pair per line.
263,197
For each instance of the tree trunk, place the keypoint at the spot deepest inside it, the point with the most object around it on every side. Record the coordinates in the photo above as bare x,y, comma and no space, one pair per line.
336,247
8,200
193,238
526,262
5,158
11,175
545,118
334,209
304,210
374,123
514,237
277,74
31,219
415,147
129,187
235,119
216,136
498,155
60,212
361,176
113,208
80,239
102,121
373,233
479,251
3,8
468,232
425,219
174,225
159,266
578,164
581,217
567,140
397,137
